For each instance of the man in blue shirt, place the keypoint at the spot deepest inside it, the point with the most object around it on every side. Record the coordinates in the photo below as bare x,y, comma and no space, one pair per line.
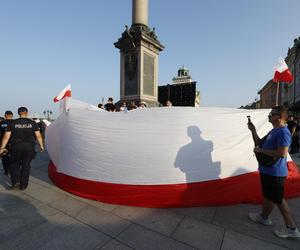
275,146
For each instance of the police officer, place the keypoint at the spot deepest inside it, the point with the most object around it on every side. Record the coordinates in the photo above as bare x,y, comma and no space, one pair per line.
22,134
3,125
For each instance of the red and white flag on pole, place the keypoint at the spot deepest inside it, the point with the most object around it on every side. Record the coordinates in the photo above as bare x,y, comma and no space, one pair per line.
282,72
66,92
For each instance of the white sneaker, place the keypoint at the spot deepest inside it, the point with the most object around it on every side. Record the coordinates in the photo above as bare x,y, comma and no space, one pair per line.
256,217
12,186
287,233
9,184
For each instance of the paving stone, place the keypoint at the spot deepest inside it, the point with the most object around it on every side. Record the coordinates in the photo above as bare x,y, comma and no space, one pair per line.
28,222
59,232
19,216
34,202
10,198
77,197
37,172
7,197
235,218
277,219
68,205
115,245
98,204
41,161
200,213
45,181
294,205
40,165
233,240
139,237
160,220
103,206
199,234
42,193
103,221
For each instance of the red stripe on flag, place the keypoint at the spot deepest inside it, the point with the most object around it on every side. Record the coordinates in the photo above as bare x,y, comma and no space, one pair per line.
243,188
67,94
285,76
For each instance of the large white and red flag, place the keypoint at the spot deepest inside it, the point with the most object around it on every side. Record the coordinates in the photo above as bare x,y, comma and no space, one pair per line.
66,92
282,72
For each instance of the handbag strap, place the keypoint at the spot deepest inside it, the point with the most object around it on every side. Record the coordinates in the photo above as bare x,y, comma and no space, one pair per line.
262,140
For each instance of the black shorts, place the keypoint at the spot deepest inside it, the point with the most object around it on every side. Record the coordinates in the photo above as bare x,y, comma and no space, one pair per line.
272,187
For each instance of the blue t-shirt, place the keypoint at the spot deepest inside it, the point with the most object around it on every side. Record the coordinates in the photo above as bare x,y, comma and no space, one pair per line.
278,137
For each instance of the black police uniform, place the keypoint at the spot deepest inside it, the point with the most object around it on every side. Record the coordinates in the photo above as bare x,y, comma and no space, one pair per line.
22,150
109,107
5,158
42,127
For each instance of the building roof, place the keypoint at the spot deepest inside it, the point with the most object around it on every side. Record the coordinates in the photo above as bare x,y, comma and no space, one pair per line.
267,85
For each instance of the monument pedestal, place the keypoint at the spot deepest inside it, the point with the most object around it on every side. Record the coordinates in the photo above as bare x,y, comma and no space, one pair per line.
139,50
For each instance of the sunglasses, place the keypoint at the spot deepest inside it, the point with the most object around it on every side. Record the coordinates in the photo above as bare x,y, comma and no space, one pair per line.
272,114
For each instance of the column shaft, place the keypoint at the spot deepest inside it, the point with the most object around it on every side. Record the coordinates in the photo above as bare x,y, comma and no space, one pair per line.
140,12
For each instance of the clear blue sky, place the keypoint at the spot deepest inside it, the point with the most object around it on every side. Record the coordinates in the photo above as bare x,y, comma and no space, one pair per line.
229,46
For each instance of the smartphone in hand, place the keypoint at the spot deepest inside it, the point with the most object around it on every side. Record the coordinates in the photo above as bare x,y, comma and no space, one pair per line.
249,118
250,124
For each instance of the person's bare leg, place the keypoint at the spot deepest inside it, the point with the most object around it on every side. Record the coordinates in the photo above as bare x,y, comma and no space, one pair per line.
286,213
267,208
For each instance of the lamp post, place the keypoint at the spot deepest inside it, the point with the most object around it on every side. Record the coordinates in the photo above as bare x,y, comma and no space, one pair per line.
48,113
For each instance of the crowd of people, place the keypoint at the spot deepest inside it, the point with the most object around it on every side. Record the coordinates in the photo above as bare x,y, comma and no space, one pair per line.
18,138
111,107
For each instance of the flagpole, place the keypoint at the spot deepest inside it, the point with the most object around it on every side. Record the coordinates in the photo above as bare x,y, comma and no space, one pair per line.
277,93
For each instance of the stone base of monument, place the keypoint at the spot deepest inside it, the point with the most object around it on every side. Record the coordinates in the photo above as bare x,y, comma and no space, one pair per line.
139,50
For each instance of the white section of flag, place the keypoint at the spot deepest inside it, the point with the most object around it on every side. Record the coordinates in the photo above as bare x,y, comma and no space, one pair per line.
66,92
282,72
187,144
281,66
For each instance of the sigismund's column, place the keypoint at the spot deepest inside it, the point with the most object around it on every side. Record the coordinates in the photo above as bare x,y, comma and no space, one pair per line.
139,50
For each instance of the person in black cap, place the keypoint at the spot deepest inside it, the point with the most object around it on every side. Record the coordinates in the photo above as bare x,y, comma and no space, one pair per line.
22,134
3,125
110,106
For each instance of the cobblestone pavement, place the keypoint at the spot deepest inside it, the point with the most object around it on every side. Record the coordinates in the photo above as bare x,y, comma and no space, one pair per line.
45,217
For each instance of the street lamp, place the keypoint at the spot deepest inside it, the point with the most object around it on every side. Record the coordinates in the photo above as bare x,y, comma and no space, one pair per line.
48,113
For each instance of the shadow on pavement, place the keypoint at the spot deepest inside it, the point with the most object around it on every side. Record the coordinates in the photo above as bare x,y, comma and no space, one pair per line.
29,224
